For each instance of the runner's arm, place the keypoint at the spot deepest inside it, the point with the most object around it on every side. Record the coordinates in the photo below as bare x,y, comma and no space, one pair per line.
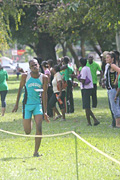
44,97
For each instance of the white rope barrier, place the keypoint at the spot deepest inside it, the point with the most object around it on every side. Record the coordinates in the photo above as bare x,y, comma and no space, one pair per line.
96,149
62,134
25,135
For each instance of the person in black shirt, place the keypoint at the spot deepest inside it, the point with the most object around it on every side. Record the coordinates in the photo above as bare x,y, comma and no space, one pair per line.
111,85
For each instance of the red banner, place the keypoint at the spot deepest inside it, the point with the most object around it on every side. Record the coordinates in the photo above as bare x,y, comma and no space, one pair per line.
20,52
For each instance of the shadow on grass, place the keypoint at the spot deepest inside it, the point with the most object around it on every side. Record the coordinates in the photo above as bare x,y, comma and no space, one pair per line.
14,158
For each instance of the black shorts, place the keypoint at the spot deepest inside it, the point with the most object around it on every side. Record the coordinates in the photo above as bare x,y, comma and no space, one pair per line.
53,100
86,93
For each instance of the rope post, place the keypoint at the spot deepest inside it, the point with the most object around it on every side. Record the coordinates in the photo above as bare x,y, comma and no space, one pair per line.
76,154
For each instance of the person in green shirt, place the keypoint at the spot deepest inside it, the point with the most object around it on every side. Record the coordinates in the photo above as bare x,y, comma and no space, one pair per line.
3,88
67,72
94,67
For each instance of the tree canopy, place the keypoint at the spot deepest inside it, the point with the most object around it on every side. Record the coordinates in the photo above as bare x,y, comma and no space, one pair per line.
36,22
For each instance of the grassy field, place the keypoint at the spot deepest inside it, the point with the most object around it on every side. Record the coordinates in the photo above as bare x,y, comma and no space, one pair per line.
58,154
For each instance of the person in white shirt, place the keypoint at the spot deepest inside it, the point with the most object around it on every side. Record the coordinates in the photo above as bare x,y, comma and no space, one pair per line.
86,85
58,92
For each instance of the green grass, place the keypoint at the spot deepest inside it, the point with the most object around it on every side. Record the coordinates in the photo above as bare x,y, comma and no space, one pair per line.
58,160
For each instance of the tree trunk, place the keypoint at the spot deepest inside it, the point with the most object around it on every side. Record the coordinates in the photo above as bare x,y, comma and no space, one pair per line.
64,49
45,49
118,40
73,53
97,50
82,47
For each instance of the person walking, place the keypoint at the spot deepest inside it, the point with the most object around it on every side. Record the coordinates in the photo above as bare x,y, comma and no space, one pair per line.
86,91
58,93
94,67
34,83
3,89
55,111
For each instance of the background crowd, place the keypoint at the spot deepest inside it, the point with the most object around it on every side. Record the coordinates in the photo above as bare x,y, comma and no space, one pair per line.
62,79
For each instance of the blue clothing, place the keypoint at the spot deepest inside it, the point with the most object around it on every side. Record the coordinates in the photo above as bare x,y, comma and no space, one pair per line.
32,102
32,109
3,96
30,95
115,107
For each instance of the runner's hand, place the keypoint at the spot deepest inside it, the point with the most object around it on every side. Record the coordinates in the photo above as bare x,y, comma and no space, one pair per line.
46,117
15,108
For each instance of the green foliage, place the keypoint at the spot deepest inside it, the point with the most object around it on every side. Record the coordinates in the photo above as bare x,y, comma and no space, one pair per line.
7,9
65,21
93,20
105,14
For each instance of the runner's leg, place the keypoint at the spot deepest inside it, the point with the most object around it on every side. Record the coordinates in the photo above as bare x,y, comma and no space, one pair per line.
38,121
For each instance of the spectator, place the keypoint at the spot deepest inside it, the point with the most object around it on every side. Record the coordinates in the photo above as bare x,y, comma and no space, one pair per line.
50,66
47,72
86,91
103,59
59,61
94,67
18,71
104,86
111,85
55,110
3,88
58,93
68,73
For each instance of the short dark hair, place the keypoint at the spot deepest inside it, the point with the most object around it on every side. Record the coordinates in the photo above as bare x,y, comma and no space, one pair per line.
90,56
44,64
50,62
39,59
32,60
83,61
57,68
66,59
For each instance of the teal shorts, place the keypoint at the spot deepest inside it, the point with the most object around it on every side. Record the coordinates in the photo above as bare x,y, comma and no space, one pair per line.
29,110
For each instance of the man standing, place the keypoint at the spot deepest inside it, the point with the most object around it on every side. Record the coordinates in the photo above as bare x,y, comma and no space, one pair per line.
3,88
34,83
94,67
17,71
86,90
67,73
